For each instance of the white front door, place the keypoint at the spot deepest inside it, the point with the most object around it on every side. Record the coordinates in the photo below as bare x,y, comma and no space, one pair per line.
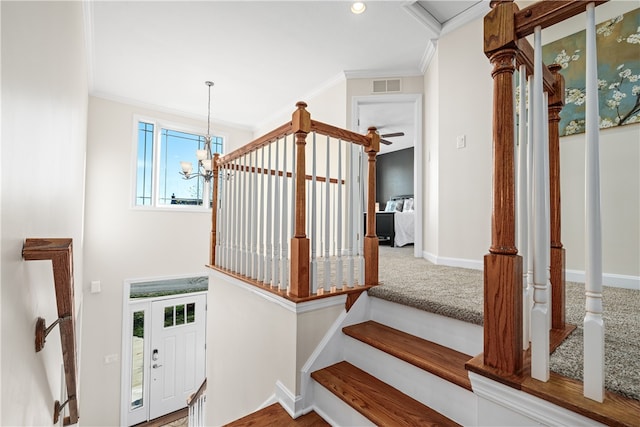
177,353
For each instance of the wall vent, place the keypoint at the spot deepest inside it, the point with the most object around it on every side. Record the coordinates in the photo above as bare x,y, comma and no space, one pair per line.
387,86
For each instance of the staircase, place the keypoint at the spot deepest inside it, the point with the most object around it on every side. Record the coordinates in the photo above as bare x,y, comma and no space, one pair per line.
386,364
393,372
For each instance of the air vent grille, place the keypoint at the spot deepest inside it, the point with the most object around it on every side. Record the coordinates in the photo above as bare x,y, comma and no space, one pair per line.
386,86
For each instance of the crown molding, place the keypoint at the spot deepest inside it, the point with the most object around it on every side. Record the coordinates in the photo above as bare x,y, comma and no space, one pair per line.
379,74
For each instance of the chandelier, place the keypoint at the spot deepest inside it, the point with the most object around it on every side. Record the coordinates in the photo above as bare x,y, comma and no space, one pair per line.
204,156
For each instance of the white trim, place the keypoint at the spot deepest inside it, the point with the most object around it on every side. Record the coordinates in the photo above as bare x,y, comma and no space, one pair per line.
379,74
428,54
87,14
537,409
423,16
610,279
299,308
291,403
477,11
416,99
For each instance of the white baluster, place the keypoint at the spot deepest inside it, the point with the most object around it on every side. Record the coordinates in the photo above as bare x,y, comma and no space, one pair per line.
313,225
292,207
284,214
243,218
523,217
327,216
219,219
236,215
252,214
360,229
539,313
276,220
268,276
261,213
352,211
339,211
593,321
530,227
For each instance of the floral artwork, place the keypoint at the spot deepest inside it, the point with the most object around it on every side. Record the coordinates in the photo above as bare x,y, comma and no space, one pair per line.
618,47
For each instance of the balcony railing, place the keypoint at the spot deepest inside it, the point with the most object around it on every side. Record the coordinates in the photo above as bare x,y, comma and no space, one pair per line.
287,210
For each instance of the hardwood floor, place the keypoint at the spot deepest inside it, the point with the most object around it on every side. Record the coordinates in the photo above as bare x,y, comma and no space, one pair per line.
174,419
275,415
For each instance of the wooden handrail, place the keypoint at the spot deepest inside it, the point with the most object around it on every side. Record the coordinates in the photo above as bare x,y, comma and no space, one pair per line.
195,396
60,252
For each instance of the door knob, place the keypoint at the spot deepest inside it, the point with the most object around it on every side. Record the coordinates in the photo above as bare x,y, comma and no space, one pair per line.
155,366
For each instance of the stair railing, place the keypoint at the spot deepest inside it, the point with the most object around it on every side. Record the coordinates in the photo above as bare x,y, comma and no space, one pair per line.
197,405
523,304
60,253
288,210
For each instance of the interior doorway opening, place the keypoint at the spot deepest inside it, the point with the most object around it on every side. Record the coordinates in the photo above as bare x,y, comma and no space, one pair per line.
392,114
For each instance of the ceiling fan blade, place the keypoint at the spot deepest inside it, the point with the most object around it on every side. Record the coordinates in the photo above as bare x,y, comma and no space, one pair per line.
384,141
391,135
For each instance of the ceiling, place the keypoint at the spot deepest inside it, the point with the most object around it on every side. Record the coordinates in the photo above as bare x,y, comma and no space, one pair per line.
263,56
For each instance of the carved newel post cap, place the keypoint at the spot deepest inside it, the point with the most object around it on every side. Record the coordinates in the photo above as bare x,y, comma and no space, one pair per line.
301,105
554,68
494,3
372,129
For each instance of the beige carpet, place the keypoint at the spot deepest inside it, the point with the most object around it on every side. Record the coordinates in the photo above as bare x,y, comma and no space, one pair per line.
458,293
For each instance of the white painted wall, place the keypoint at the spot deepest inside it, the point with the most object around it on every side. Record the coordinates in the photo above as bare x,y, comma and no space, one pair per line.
44,116
126,243
464,107
459,78
253,341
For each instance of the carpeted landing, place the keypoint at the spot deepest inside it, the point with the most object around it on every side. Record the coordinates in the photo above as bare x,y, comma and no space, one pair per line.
458,293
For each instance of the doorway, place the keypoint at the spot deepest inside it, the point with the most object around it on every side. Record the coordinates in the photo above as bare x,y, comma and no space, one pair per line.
394,113
164,346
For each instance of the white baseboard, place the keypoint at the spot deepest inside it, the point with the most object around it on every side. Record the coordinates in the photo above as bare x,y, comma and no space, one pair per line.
609,279
291,403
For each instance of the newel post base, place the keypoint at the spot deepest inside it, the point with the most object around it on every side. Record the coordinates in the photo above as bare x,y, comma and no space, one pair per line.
371,260
558,294
299,267
503,312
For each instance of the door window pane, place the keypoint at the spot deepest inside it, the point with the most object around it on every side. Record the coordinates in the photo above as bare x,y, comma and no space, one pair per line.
191,312
180,314
168,317
137,360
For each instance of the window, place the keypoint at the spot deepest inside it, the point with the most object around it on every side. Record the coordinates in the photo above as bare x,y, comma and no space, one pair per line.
160,149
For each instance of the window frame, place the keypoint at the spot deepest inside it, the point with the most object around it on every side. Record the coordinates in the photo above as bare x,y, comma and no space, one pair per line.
158,125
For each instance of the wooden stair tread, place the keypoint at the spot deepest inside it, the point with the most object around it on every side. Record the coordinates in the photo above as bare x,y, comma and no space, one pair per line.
439,360
376,400
275,415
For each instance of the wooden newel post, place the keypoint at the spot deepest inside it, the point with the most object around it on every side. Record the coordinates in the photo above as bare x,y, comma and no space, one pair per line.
371,239
502,266
214,210
301,126
557,275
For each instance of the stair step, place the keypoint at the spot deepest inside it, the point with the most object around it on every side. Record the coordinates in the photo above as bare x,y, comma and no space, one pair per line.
376,400
439,360
275,415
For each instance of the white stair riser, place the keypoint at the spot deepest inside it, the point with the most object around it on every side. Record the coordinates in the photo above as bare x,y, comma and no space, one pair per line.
460,336
431,390
334,411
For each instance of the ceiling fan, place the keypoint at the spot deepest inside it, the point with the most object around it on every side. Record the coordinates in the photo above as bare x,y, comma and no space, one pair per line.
389,135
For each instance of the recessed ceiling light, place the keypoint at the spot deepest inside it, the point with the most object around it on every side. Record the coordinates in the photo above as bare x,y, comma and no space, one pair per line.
358,7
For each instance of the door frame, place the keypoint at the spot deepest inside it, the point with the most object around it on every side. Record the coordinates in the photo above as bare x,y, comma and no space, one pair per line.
418,193
145,304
